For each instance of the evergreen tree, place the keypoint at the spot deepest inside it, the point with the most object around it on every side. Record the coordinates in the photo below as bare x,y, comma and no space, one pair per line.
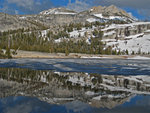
8,53
127,52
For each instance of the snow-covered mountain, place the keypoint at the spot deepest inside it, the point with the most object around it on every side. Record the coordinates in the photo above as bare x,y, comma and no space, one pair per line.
59,11
61,16
109,13
99,13
121,30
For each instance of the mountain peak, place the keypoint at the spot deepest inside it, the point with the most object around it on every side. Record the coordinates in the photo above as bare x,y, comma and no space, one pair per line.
96,9
111,10
112,6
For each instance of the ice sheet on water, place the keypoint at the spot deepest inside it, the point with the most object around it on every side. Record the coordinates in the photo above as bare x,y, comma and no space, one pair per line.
101,66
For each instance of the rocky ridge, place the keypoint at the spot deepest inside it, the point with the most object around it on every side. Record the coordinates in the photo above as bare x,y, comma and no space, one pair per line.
109,11
58,16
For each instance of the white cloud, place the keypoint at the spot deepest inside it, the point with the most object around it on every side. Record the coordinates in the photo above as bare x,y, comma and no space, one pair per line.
26,6
79,6
22,3
35,6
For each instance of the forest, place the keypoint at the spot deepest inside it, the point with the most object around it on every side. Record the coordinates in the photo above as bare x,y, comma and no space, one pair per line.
32,40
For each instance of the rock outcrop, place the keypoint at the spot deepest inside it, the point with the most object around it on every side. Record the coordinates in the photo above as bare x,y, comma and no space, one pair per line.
125,30
109,11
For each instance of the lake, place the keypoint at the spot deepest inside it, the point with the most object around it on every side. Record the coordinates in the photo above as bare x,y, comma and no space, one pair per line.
74,86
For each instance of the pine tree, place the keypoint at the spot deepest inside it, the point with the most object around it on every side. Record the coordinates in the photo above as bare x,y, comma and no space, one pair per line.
127,52
139,51
8,53
66,51
133,53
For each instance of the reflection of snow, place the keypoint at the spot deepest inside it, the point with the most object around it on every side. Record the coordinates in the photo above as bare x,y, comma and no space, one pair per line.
112,88
90,93
110,96
76,106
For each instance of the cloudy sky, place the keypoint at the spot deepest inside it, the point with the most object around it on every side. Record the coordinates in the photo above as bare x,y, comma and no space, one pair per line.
139,8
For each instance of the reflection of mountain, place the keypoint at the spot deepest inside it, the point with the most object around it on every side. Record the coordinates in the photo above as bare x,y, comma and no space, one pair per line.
58,88
110,102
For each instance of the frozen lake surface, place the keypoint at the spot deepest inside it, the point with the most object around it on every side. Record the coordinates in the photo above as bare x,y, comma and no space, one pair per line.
101,66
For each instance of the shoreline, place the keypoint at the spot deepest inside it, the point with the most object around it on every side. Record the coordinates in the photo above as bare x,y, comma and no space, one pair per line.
43,55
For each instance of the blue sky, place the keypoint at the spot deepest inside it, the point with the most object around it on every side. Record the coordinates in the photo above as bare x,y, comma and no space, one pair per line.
134,13
136,7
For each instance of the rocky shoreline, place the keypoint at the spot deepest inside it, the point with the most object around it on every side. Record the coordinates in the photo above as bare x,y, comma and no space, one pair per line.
33,54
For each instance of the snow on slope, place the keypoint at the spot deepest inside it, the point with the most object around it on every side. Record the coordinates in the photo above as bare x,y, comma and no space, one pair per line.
44,33
22,18
57,11
122,18
117,26
134,43
92,20
99,15
109,33
76,33
65,13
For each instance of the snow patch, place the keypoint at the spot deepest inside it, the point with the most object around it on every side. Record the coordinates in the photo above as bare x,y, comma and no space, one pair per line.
92,20
56,11
140,58
109,33
99,15
117,26
90,93
44,33
136,43
23,18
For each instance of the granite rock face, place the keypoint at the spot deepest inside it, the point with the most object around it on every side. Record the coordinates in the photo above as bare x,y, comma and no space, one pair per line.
109,11
125,30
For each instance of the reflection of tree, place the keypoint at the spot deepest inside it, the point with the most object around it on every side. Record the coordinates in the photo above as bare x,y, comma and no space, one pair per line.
126,82
48,85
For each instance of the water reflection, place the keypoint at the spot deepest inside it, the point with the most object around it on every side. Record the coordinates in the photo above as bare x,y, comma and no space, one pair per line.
100,91
23,105
138,104
101,66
